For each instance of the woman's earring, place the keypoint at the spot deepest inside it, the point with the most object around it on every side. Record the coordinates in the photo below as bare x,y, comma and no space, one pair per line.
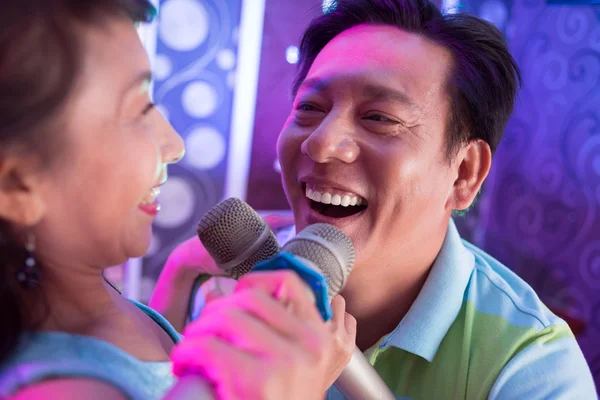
29,275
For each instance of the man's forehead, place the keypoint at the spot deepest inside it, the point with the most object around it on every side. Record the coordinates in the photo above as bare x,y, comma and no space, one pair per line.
381,53
382,45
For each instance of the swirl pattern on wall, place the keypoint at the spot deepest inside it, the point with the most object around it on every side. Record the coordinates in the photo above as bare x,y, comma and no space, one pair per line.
545,221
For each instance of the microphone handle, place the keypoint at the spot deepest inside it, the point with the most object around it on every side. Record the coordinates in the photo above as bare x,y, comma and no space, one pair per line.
360,381
191,387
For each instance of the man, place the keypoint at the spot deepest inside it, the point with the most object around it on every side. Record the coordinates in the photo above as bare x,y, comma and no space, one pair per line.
396,115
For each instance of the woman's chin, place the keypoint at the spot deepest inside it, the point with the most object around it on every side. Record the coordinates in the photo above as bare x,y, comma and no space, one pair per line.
139,246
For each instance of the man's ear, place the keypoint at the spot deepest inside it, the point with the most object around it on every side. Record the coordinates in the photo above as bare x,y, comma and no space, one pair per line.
21,199
474,161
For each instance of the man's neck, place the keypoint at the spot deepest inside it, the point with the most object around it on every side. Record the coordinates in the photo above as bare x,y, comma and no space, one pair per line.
385,283
380,303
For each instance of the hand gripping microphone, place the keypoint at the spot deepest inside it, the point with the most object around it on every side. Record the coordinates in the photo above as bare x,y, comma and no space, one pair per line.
238,238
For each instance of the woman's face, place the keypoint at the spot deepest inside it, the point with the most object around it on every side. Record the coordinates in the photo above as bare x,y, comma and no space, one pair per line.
99,196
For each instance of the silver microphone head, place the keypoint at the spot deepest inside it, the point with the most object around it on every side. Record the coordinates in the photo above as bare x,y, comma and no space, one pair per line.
328,250
236,237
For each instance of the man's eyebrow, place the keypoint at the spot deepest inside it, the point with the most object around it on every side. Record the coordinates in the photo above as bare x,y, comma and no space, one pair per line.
314,84
372,91
378,92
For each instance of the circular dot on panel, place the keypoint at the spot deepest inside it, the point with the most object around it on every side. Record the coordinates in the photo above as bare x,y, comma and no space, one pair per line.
292,54
163,67
226,59
205,148
328,6
163,110
451,7
178,203
184,24
231,80
199,99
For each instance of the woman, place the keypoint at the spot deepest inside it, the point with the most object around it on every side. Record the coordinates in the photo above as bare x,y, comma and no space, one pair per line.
83,153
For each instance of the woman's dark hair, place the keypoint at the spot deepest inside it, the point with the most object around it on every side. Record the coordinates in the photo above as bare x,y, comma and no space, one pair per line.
485,78
40,56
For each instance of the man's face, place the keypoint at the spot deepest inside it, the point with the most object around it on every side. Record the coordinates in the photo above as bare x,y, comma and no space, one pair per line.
364,147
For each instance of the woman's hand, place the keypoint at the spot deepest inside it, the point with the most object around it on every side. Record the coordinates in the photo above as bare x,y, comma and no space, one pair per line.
174,286
267,341
188,261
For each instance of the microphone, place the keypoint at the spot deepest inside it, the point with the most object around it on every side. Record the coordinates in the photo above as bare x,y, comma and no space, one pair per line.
238,239
323,256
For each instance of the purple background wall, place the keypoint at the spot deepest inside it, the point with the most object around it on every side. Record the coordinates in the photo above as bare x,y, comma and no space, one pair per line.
284,23
540,214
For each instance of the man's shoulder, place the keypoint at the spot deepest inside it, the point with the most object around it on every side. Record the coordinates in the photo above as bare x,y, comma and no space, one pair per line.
507,324
502,330
497,291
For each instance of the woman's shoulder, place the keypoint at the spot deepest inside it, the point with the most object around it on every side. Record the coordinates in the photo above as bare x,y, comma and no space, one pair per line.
44,355
70,388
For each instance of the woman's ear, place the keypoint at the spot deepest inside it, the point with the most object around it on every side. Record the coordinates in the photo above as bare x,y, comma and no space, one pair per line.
21,200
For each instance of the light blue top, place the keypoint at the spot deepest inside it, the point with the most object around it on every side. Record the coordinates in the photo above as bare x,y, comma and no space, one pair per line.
44,355
477,331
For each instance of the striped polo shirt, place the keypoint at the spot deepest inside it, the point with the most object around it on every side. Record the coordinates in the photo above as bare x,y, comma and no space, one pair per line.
478,331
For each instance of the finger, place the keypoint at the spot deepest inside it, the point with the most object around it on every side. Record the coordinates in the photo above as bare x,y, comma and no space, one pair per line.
241,330
287,288
193,254
217,287
338,310
340,318
212,359
350,325
265,309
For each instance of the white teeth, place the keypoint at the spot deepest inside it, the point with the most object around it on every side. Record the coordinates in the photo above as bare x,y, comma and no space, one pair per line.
346,201
154,192
334,199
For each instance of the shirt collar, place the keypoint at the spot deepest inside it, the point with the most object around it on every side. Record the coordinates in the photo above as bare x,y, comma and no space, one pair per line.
429,318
